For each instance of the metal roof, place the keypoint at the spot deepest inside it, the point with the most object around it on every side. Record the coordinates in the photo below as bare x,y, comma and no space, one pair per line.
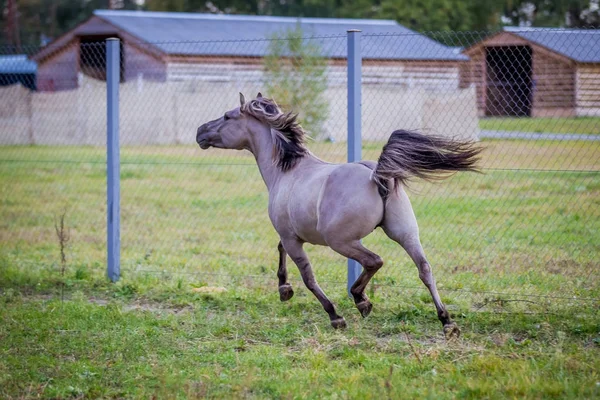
17,64
582,45
245,35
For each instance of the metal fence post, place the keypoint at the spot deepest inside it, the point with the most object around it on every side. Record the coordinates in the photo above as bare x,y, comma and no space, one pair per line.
113,203
354,121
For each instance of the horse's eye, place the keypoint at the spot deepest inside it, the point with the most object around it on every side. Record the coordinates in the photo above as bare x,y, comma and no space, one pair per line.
226,117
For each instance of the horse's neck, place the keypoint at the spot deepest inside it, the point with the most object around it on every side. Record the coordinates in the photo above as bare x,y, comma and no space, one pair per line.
262,148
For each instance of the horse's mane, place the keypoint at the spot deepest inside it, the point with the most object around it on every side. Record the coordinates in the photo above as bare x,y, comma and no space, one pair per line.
288,135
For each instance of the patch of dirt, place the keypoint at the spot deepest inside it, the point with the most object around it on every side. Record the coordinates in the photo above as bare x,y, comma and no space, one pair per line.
427,341
156,308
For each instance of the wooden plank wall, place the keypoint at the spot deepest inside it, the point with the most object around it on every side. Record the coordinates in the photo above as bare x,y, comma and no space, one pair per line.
59,71
554,85
588,90
140,63
474,73
435,76
554,77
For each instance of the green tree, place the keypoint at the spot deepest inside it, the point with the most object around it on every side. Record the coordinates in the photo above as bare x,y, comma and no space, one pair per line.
295,73
42,20
360,9
167,5
555,13
485,15
47,19
430,15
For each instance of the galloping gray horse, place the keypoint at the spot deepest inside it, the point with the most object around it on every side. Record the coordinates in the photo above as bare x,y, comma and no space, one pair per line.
337,205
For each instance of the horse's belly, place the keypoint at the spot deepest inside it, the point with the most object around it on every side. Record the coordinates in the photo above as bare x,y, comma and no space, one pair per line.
295,218
311,236
304,221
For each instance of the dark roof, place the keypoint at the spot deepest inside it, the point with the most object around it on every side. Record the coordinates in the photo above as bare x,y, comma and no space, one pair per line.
581,45
17,64
243,35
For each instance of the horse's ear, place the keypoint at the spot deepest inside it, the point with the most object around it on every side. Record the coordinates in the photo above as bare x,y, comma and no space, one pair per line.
259,95
242,100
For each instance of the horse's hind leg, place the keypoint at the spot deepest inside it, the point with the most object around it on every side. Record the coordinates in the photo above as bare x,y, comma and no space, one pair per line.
285,289
400,225
412,245
370,262
298,255
415,251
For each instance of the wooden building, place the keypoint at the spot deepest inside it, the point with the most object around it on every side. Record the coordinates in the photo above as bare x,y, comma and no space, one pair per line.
163,46
538,72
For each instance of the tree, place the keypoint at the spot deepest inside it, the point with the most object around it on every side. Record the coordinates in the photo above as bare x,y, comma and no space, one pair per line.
431,15
295,73
556,13
42,20
360,9
485,15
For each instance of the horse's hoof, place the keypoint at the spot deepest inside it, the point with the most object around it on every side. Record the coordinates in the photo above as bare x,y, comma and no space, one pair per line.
365,307
451,331
285,292
339,323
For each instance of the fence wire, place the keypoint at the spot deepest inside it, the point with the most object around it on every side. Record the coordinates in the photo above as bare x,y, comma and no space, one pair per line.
526,229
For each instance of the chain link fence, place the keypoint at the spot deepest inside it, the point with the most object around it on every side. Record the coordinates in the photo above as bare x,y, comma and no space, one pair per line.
521,236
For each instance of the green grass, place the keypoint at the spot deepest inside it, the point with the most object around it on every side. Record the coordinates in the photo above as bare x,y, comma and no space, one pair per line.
514,250
586,125
244,344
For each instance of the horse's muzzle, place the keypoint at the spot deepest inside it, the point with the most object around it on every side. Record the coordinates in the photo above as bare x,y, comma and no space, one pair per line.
200,139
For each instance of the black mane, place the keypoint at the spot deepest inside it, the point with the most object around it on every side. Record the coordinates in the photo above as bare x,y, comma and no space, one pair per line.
289,136
292,149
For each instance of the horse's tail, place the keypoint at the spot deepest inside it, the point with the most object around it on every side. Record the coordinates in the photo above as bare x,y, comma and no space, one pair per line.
410,154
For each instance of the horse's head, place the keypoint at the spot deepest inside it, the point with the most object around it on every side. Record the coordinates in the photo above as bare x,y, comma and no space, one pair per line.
231,131
238,129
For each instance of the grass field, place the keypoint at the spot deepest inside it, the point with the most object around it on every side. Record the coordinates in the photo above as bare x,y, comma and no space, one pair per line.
587,125
515,252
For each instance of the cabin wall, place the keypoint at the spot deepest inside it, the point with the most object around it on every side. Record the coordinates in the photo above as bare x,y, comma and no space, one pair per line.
587,96
428,75
554,77
59,71
473,74
553,86
143,64
59,63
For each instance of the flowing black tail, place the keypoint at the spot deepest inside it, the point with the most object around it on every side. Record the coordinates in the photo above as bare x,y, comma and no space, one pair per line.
410,154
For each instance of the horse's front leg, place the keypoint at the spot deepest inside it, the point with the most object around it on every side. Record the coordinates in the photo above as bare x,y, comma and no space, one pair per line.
285,289
294,248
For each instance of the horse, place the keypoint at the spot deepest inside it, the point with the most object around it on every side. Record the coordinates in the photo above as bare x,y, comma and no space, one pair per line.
337,205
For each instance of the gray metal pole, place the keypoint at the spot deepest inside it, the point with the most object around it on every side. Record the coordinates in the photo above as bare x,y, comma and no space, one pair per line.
113,203
354,121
